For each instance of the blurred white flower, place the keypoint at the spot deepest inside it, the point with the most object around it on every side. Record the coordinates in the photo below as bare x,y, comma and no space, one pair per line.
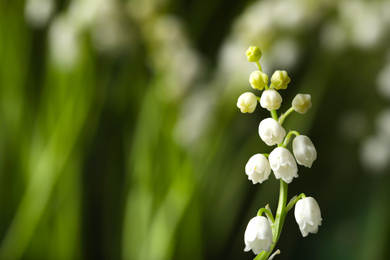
64,42
383,81
284,53
283,164
271,99
257,168
258,235
364,22
271,132
308,215
304,151
301,103
247,102
375,153
383,123
38,12
333,36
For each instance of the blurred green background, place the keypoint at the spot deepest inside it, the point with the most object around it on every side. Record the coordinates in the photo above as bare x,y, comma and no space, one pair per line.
120,137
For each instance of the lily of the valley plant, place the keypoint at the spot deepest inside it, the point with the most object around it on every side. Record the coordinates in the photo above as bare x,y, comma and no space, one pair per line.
263,232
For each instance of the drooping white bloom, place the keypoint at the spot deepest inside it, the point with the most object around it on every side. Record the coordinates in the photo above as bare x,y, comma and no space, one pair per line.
301,103
308,215
271,132
247,102
257,168
304,151
280,79
283,164
258,79
271,99
258,235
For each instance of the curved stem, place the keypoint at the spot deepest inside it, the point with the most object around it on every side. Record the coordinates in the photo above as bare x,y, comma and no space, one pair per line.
266,211
279,220
294,200
283,116
288,137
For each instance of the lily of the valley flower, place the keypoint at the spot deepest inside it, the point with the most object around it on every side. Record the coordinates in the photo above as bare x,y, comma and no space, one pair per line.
304,151
247,102
258,235
253,53
308,215
301,103
283,164
271,99
257,168
280,79
271,132
258,80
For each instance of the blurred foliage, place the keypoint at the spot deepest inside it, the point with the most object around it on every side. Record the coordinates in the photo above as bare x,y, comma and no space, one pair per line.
120,138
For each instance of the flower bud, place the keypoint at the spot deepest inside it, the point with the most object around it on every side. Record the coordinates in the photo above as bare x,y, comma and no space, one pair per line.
308,215
253,53
258,80
304,151
280,79
258,235
247,102
301,103
271,99
283,164
257,168
271,132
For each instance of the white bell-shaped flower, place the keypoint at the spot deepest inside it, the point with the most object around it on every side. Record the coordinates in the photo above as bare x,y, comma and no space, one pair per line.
258,235
301,103
247,102
271,132
308,215
283,164
257,168
271,99
304,151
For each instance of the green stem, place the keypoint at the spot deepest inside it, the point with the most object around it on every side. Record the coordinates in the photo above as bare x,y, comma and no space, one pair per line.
294,201
279,220
258,66
288,137
266,211
274,114
283,116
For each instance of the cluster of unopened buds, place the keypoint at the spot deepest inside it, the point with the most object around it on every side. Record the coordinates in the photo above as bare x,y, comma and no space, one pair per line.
262,233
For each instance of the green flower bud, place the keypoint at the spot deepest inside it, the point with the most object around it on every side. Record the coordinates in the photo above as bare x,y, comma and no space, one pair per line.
280,79
253,54
301,103
258,80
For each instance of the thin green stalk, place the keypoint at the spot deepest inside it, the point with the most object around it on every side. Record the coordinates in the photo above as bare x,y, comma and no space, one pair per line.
258,65
279,220
283,116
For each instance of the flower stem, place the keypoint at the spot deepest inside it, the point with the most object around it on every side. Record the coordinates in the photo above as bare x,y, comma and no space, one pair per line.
279,220
283,116
274,114
258,66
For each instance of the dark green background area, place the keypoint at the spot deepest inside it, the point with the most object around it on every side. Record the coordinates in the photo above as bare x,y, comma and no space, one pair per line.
91,166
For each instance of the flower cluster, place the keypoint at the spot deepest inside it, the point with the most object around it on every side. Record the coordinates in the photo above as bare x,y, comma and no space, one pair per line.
262,233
